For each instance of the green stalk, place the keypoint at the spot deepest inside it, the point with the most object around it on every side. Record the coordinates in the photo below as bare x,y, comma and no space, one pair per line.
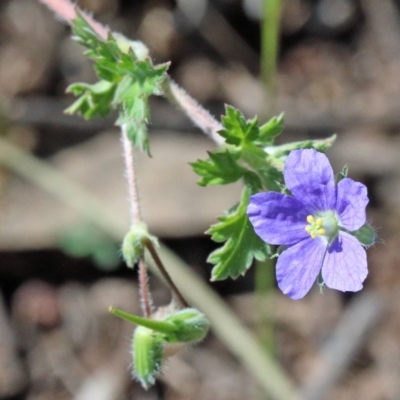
265,271
264,285
270,46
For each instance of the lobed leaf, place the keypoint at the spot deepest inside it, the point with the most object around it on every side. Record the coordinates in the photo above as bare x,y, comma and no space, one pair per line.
241,246
237,131
220,169
270,130
126,81
246,133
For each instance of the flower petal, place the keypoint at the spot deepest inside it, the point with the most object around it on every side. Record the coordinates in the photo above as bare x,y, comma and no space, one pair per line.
309,176
352,199
298,267
345,264
277,218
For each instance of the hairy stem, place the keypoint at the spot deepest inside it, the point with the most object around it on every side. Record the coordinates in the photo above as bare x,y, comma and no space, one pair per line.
199,115
66,10
129,160
136,219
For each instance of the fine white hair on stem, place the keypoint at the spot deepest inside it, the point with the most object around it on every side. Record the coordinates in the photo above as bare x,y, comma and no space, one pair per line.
129,161
66,10
199,115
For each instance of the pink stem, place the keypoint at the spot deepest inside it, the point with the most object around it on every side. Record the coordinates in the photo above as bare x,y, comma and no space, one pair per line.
145,296
67,11
199,115
130,177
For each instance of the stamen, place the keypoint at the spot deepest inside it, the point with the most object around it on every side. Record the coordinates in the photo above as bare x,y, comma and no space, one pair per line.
324,224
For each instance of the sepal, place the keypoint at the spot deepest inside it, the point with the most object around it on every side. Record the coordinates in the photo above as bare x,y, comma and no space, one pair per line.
366,235
134,243
147,349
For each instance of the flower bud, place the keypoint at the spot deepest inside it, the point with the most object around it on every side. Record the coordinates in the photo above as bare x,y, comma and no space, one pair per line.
134,243
366,235
156,339
147,348
191,326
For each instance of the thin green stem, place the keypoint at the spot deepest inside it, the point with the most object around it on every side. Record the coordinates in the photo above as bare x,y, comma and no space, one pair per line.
270,46
264,285
264,273
164,273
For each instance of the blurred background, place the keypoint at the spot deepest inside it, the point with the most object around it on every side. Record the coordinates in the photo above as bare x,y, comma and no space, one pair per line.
338,72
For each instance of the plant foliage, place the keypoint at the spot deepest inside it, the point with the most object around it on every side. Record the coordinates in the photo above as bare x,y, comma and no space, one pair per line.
127,79
250,155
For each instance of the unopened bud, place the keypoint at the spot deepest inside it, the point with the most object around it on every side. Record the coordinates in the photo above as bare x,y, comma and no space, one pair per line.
147,348
153,338
366,235
134,243
191,326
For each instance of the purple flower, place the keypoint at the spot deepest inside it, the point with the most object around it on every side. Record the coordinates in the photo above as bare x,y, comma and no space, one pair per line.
312,224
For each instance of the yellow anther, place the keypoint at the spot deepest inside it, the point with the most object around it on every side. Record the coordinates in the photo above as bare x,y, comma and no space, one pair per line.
315,227
323,224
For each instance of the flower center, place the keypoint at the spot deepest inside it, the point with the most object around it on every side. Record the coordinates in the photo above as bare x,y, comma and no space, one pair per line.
323,224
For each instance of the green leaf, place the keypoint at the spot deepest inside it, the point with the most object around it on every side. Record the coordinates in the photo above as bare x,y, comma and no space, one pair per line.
94,100
241,246
252,182
270,130
246,133
126,81
237,131
283,150
271,178
220,169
